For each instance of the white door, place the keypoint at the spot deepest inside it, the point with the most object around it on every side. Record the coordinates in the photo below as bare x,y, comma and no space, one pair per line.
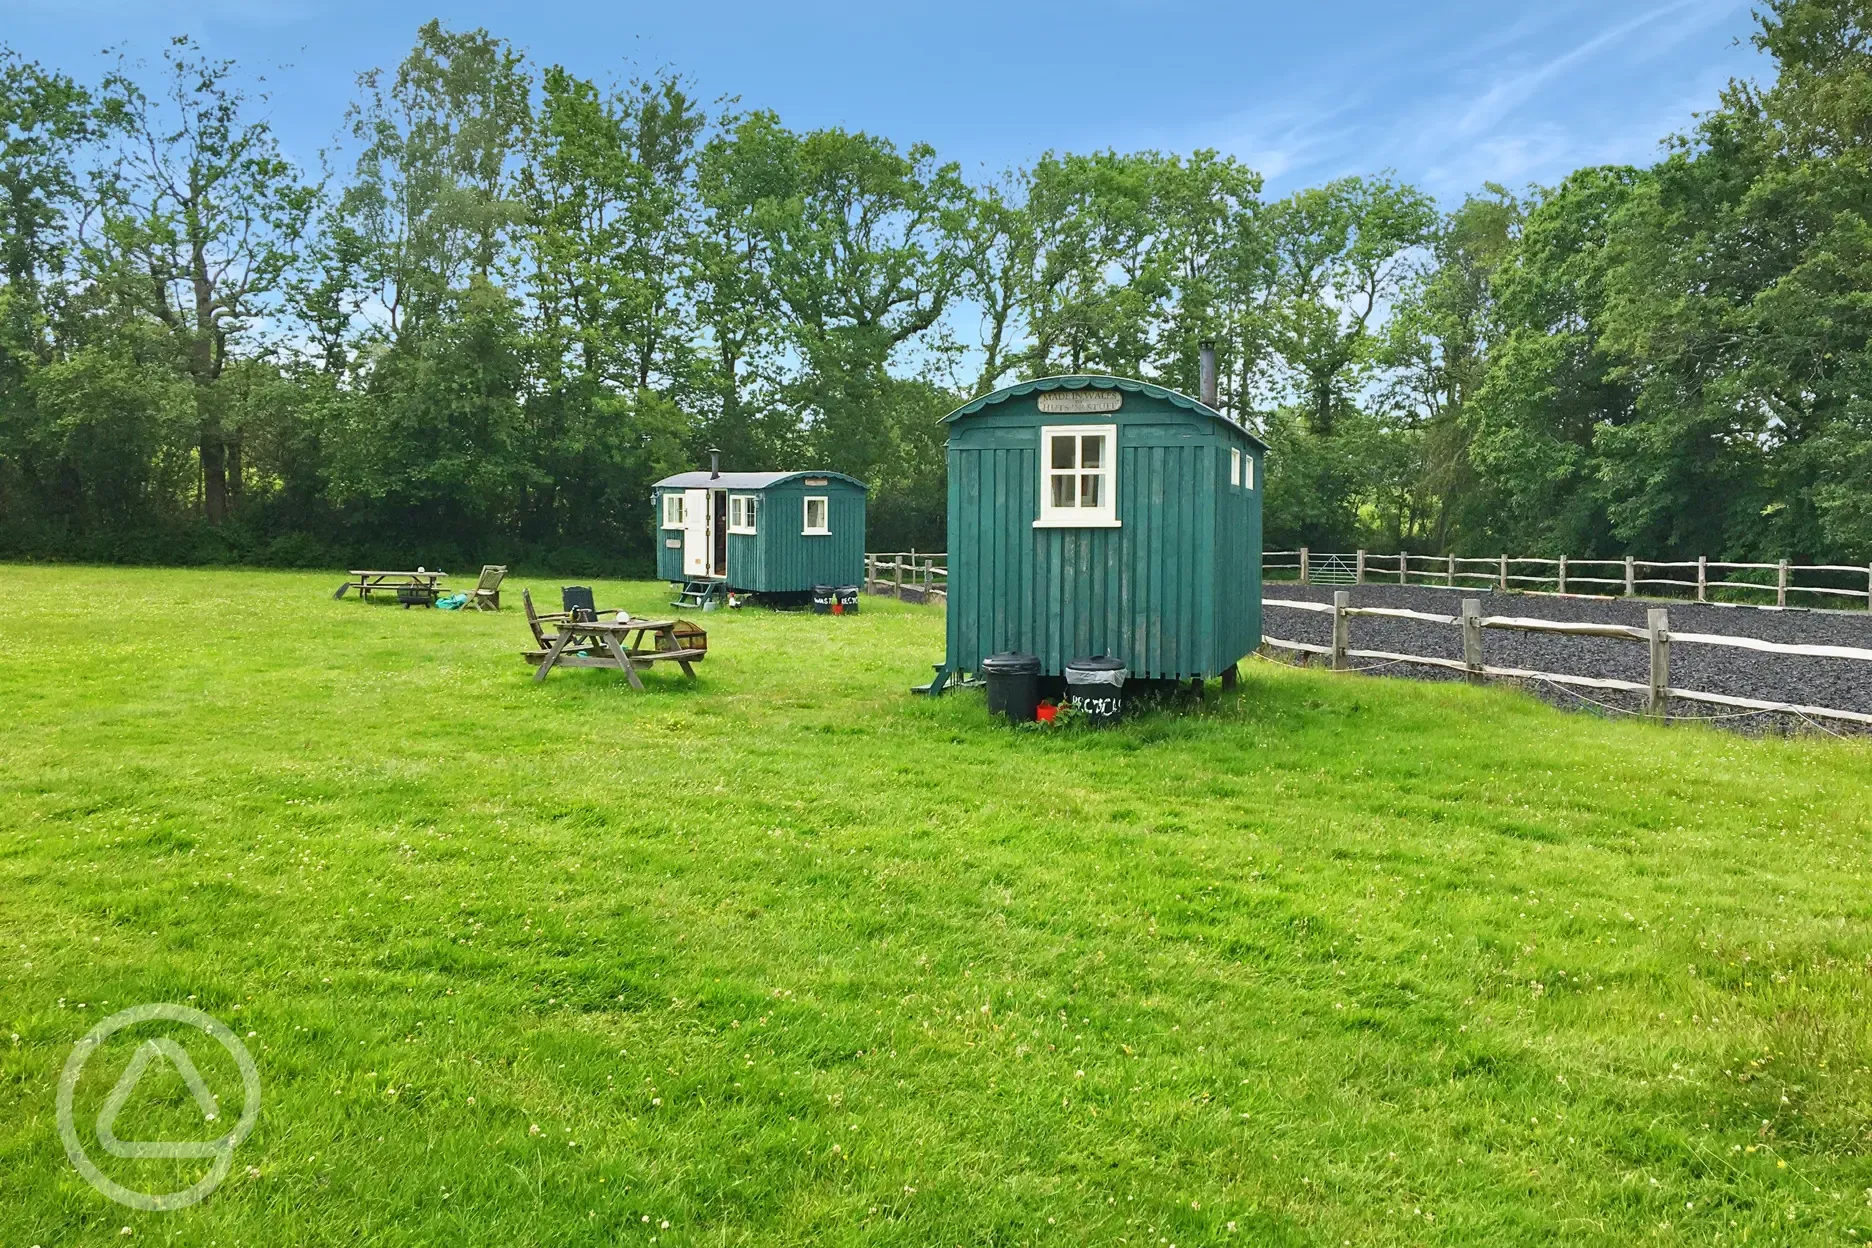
695,555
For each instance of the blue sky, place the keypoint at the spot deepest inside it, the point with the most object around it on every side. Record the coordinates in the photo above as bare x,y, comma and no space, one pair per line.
1449,93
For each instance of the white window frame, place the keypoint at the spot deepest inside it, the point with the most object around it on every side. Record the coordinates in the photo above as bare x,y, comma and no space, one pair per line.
806,524
1104,516
1235,462
673,516
1248,482
741,515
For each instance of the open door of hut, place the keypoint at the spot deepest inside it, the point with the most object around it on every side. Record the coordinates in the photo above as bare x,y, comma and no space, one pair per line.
719,533
696,553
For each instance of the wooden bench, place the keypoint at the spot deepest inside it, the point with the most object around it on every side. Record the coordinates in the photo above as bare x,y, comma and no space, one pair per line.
598,643
367,582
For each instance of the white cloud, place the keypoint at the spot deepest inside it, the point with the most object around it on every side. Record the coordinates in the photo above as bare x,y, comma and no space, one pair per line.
1511,92
1504,106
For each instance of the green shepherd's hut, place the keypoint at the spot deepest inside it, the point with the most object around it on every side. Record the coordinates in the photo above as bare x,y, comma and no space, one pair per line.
773,533
1103,516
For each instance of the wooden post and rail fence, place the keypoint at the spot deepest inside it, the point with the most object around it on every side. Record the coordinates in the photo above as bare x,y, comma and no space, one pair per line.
1657,691
1628,577
923,574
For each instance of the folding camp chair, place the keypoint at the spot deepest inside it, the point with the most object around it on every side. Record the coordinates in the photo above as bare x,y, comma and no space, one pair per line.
485,596
579,603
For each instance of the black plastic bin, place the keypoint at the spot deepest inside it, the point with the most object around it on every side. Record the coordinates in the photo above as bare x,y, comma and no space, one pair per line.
822,599
848,599
1096,687
1013,685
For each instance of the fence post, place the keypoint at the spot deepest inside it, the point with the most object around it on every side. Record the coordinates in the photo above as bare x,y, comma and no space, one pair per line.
1504,574
1449,577
1360,578
1781,586
1869,587
1341,629
1304,571
1472,638
1403,567
1562,574
897,563
1702,578
1631,573
1657,625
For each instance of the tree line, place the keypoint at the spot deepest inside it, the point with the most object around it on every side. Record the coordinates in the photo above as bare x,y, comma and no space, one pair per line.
511,297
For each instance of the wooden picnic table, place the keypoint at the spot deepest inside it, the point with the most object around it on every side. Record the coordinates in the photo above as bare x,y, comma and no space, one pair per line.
367,582
602,643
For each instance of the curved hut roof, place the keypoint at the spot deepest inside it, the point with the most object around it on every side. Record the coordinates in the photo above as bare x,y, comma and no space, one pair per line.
1089,381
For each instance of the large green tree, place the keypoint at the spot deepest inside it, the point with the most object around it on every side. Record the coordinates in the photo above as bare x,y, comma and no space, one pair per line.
1436,353
202,220
1338,254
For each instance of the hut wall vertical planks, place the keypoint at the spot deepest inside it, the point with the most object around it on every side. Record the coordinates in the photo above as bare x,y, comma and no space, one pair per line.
1099,515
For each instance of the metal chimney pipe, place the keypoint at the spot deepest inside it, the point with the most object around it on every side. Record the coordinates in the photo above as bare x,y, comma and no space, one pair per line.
1208,394
714,463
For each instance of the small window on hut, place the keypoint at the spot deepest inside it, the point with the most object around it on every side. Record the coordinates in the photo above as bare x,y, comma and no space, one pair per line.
1248,471
741,513
1078,477
818,517
1235,458
673,510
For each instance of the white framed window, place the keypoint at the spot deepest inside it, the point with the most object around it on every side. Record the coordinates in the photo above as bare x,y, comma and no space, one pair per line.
1078,477
673,509
818,516
741,513
1235,458
1248,471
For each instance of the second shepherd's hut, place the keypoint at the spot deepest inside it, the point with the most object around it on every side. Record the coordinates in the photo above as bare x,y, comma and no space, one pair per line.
777,534
1103,516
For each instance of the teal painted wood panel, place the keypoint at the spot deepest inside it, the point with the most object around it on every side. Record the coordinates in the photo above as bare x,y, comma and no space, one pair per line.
1174,591
795,561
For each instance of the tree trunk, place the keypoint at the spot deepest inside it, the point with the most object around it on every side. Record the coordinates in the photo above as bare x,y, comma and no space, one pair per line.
234,443
214,474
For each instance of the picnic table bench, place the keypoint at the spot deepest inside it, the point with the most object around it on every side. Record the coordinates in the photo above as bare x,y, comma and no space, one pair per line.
624,647
409,587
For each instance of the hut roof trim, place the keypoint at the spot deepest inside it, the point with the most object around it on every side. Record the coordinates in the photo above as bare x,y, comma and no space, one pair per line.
1084,381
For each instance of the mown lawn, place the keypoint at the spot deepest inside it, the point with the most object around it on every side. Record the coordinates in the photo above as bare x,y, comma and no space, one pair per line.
791,957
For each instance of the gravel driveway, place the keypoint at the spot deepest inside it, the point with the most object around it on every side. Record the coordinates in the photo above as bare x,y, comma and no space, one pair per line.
1842,684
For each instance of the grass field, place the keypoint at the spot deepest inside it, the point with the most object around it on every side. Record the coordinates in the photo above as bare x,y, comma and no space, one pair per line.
788,956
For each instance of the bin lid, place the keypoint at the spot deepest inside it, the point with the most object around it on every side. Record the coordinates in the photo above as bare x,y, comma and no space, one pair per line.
1097,663
1011,662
